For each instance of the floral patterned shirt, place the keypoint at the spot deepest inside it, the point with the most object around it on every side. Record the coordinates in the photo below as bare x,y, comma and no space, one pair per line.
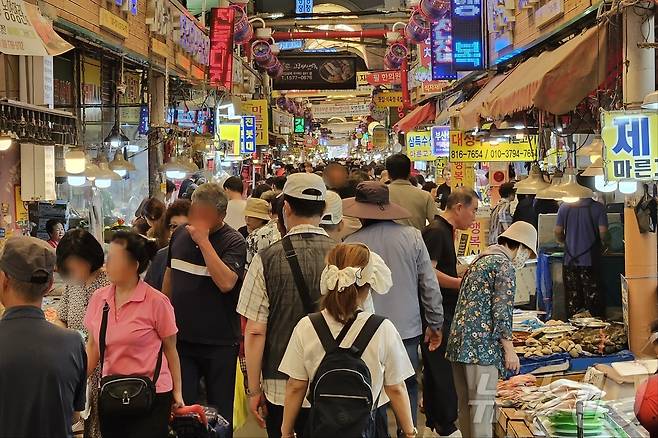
260,239
484,310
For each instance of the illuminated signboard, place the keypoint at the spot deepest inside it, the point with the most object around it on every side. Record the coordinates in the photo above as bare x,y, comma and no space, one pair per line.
221,47
193,40
248,134
299,125
442,54
631,145
419,146
468,53
466,148
441,141
290,44
303,6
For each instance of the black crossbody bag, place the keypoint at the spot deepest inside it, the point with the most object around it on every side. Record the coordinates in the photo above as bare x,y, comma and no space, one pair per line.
125,395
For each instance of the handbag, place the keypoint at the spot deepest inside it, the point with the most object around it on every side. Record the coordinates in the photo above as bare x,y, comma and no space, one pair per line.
125,395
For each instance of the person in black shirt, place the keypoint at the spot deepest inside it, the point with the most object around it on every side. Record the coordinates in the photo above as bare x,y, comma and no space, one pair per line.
439,394
43,368
525,210
444,190
203,279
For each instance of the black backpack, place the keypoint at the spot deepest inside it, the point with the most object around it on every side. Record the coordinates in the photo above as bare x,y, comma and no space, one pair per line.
341,390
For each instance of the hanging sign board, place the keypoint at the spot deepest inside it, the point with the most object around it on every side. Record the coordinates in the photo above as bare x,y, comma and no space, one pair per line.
282,122
380,137
419,146
442,50
441,141
386,77
259,108
468,51
315,72
221,47
299,125
631,145
473,240
248,134
159,48
230,132
327,111
388,99
462,175
303,7
113,23
468,149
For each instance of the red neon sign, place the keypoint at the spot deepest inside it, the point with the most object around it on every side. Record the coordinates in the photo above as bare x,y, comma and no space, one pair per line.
221,47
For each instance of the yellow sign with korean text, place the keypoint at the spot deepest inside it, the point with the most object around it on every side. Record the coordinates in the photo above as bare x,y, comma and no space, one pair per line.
631,145
419,146
113,23
463,175
362,78
231,132
388,99
469,149
259,108
473,240
380,137
159,48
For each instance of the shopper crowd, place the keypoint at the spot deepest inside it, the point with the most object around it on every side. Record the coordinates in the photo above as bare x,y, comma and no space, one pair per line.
327,288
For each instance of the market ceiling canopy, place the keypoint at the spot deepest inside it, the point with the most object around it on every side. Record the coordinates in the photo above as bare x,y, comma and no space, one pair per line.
555,81
469,115
27,32
419,116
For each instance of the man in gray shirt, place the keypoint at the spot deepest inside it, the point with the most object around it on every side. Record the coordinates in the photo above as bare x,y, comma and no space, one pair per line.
415,293
43,368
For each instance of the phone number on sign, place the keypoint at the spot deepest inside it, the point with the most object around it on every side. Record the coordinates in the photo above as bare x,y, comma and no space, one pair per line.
493,155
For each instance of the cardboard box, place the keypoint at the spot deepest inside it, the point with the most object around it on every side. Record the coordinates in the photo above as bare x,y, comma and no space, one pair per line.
507,416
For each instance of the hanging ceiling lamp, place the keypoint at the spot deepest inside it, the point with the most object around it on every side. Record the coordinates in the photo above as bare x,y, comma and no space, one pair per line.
116,138
552,191
91,170
75,160
532,184
174,169
105,175
188,164
594,150
120,165
628,187
600,184
651,101
571,190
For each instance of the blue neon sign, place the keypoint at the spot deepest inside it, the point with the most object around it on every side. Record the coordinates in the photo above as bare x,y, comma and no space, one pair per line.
248,134
303,6
290,44
468,50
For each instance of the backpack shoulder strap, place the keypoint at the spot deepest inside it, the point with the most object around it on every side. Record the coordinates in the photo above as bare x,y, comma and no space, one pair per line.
322,329
367,332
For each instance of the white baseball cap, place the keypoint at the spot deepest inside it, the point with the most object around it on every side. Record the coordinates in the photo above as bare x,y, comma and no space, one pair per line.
333,212
307,186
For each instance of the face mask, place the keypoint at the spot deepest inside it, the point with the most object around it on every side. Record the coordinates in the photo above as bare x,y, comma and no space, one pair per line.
522,255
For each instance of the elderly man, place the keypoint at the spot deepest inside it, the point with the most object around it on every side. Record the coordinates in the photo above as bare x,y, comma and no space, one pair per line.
43,368
281,287
206,263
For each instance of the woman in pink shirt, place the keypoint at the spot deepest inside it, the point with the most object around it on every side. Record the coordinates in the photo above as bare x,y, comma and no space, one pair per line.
140,322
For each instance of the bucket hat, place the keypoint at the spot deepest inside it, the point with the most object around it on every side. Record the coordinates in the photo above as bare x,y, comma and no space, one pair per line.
257,208
523,233
372,201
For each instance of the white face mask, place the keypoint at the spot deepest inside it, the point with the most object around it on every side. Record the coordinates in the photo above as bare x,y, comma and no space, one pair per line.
522,255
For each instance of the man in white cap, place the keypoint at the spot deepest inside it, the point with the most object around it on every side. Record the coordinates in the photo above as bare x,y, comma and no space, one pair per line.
43,368
280,288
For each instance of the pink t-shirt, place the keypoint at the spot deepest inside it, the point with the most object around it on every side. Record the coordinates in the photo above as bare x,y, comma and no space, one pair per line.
134,332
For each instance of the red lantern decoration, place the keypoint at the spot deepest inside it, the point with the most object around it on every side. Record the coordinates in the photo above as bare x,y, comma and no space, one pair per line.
418,28
275,71
262,52
242,29
395,55
434,10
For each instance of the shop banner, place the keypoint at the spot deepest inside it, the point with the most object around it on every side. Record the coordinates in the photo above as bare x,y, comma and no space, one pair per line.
419,146
631,145
473,241
441,141
442,50
327,110
385,77
54,44
313,72
468,51
432,87
282,122
388,99
221,47
230,132
17,34
463,175
380,137
468,149
259,108
248,134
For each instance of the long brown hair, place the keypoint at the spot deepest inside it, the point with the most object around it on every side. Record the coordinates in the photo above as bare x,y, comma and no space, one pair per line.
154,210
343,305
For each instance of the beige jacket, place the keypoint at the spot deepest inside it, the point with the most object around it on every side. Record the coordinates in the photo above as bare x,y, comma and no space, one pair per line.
419,203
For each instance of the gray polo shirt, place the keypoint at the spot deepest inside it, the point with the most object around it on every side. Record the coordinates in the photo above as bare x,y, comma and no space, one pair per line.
415,286
43,375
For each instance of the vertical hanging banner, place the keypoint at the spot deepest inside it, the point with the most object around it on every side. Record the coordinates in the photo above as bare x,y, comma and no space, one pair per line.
221,47
468,52
441,141
248,134
442,49
259,108
303,7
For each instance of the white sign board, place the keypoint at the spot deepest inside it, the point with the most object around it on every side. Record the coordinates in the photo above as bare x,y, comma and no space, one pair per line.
328,110
17,34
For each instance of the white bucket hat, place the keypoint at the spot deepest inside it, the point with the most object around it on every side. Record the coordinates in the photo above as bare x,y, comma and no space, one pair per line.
523,233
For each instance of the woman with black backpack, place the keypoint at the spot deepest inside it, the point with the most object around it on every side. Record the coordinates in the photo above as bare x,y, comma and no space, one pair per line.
355,361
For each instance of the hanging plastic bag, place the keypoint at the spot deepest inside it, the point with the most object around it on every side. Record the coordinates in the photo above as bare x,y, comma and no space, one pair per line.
240,402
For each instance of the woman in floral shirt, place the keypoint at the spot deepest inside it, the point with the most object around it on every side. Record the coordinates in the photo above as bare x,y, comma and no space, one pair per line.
480,344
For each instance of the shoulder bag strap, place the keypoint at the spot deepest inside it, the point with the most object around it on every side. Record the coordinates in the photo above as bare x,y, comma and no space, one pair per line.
297,275
322,329
101,337
101,345
367,332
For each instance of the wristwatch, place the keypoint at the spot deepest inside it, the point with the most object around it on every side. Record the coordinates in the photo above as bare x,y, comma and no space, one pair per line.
413,434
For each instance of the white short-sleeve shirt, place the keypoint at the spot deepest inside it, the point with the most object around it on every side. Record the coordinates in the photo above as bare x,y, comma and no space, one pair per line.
385,355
